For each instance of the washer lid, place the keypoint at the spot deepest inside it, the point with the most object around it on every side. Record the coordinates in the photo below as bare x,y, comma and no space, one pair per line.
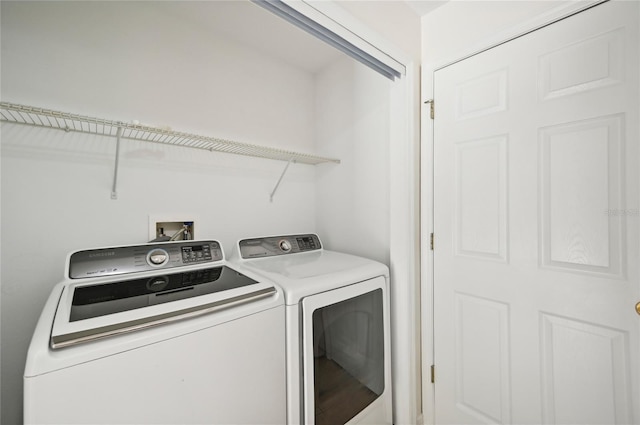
115,297
90,312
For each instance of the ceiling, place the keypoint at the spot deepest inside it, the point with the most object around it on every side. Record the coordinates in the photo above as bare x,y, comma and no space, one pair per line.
422,7
252,26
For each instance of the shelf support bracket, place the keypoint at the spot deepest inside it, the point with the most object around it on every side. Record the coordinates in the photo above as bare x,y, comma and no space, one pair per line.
114,192
286,167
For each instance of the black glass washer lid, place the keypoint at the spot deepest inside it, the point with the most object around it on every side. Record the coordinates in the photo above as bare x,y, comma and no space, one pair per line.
115,297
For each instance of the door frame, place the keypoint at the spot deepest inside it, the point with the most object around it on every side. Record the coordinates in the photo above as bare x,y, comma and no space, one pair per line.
427,180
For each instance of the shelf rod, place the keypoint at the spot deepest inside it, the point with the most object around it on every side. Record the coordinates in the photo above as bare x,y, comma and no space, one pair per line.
286,167
114,192
22,114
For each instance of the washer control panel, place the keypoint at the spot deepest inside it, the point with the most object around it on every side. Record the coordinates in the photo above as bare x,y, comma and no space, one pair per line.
139,258
197,254
278,245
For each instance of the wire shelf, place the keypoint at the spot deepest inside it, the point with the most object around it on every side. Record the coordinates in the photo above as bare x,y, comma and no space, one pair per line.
40,117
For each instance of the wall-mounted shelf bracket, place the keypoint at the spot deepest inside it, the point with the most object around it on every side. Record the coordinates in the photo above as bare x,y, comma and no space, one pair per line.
114,191
286,167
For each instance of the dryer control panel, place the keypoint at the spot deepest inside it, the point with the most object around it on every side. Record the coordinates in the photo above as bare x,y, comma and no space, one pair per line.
278,245
132,259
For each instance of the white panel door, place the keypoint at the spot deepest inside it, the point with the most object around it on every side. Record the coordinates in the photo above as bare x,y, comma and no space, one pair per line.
536,159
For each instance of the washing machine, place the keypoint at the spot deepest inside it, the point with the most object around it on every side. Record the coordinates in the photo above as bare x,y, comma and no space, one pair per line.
158,334
337,328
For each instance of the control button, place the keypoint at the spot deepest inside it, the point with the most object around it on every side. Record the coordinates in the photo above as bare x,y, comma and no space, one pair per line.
285,245
306,244
157,257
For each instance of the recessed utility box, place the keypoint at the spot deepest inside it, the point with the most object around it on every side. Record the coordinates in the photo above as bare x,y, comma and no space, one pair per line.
176,228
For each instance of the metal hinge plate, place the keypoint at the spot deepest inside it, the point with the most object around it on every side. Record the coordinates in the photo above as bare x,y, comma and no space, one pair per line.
433,374
432,108
432,242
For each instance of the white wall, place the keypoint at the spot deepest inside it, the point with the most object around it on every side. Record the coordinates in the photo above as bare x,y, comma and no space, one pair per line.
352,123
455,28
126,60
132,60
392,19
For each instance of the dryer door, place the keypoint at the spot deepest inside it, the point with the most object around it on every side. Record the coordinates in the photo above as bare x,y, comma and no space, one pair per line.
346,355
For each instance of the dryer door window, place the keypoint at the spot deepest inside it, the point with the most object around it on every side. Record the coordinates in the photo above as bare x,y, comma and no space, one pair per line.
346,355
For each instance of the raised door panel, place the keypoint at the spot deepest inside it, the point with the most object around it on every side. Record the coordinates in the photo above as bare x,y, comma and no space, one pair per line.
481,202
582,180
483,374
585,372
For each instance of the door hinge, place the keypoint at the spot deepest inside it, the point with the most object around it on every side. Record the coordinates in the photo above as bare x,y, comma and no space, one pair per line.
432,242
432,108
433,374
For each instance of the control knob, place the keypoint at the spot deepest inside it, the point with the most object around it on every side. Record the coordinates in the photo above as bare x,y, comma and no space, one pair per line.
157,257
285,245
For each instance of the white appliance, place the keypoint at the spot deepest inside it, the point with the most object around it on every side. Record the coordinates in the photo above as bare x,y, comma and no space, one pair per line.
337,310
158,333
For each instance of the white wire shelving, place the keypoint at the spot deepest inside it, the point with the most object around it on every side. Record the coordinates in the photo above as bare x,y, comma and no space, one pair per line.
40,117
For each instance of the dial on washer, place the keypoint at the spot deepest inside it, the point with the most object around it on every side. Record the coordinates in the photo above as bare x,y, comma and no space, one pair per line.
285,245
157,257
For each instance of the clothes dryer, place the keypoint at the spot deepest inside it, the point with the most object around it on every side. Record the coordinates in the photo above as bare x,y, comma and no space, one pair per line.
157,334
337,329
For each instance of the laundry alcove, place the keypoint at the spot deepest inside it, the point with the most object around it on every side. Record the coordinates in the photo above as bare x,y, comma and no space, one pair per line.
225,69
